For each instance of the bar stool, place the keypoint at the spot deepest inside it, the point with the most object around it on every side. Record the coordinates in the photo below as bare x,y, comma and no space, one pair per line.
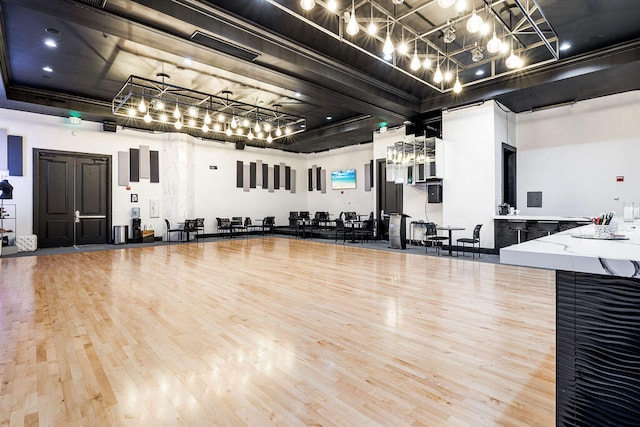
520,226
548,227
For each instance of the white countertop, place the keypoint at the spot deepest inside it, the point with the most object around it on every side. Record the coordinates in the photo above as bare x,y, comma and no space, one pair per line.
542,218
562,251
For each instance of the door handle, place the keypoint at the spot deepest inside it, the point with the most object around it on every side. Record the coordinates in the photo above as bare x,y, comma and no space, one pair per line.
76,216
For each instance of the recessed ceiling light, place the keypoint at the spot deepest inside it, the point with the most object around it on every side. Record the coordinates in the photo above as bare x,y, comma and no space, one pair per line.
565,46
51,43
47,69
298,94
480,72
188,61
329,117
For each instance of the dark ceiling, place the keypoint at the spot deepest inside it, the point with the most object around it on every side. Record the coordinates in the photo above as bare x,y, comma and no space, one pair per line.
266,56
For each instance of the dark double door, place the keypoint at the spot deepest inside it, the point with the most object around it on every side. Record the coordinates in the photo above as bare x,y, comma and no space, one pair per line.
72,198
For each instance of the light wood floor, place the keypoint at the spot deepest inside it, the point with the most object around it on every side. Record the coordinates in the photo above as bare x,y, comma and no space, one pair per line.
274,332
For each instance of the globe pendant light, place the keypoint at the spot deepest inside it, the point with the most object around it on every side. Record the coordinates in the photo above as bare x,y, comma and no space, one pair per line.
474,23
332,5
307,4
494,44
176,113
513,61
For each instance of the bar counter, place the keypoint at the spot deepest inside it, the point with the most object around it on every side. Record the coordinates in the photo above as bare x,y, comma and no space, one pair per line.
597,322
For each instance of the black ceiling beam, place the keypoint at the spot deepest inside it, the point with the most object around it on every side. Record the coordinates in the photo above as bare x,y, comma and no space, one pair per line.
507,90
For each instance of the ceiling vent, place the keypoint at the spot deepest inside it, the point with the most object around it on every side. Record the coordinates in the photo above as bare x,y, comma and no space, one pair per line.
223,46
95,3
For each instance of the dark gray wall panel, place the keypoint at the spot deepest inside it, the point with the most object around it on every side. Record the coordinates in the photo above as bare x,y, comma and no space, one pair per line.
134,165
14,155
154,172
239,174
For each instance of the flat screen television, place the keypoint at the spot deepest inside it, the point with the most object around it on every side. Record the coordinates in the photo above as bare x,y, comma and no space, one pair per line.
343,179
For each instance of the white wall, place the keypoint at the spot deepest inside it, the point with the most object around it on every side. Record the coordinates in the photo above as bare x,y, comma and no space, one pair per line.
216,192
574,153
55,133
469,184
188,188
336,201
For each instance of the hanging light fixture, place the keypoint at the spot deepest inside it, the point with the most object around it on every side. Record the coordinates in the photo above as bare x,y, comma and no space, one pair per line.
372,29
426,64
307,4
437,76
449,34
476,53
474,23
388,48
221,114
415,62
457,86
495,44
513,61
332,5
352,26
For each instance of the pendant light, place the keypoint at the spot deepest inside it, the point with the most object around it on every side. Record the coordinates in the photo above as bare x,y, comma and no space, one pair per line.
388,48
372,29
415,62
437,76
352,26
457,86
494,44
307,4
176,112
332,5
427,61
474,23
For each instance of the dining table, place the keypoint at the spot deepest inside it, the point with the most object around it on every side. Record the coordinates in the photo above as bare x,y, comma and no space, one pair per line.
450,229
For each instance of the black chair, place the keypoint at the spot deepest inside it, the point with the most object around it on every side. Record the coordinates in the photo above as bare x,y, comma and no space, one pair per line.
224,224
548,227
519,226
366,232
339,229
172,230
431,234
190,226
200,225
267,223
473,241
